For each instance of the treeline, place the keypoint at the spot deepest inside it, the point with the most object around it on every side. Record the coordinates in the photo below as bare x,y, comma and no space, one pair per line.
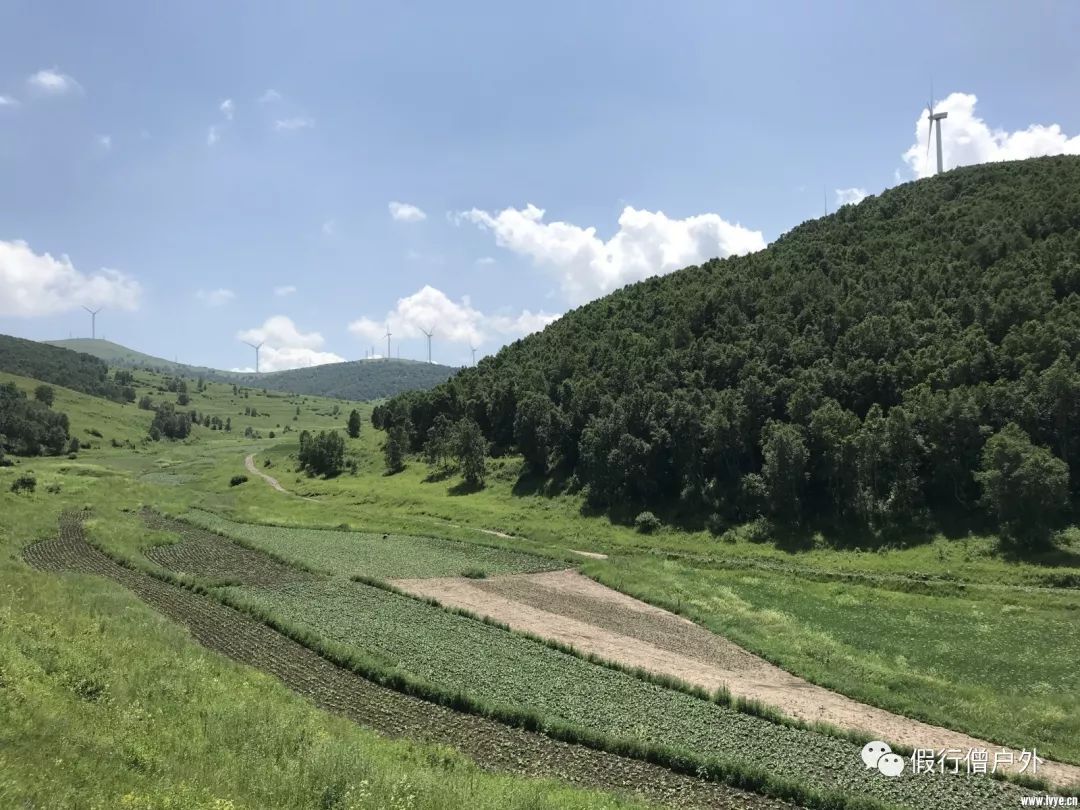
908,356
30,427
52,364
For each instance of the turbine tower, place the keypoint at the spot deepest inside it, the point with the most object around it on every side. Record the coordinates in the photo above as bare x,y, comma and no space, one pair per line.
256,347
931,118
93,321
474,348
429,333
388,333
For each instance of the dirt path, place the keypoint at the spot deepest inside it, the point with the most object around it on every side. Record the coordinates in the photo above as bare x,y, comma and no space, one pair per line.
249,462
493,746
570,608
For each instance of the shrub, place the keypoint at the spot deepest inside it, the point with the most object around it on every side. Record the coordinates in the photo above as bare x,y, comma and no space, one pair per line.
323,454
237,480
170,423
45,395
272,434
646,522
24,483
145,403
74,446
53,488
474,573
94,432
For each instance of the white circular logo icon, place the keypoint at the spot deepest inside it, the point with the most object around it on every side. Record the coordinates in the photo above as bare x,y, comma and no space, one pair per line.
873,751
891,764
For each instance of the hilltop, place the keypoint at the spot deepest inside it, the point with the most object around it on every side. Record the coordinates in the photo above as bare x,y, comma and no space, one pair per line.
356,379
902,358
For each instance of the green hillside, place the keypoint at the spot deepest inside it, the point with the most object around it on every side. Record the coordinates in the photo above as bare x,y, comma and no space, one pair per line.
58,366
908,357
356,380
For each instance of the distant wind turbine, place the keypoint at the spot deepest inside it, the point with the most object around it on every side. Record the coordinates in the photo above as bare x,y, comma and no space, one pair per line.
256,347
429,333
931,118
388,333
93,321
474,348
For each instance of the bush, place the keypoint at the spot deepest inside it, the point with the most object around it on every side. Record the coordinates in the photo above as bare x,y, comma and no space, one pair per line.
646,522
94,432
237,480
323,454
24,483
474,573
716,524
170,423
145,403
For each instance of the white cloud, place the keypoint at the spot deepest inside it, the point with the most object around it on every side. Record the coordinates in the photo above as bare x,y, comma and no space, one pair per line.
212,136
406,212
850,196
285,289
288,124
51,82
452,321
285,346
967,139
646,244
228,109
215,298
485,261
8,101
329,228
105,142
270,96
33,284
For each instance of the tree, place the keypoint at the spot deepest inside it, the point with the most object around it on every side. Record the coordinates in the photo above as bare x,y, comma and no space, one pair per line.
45,395
394,448
1024,486
353,426
29,427
322,454
170,423
783,469
471,449
533,430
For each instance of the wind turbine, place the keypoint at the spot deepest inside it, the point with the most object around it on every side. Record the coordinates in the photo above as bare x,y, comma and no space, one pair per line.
388,333
474,348
429,333
256,347
931,118
93,321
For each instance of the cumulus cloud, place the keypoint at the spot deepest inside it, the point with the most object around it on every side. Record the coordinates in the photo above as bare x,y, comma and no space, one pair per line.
453,321
646,244
967,139
850,196
215,298
285,346
8,101
228,109
213,135
52,82
33,284
406,212
289,124
283,290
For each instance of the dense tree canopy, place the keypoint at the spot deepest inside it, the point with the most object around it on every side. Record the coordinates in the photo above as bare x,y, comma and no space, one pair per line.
854,370
52,364
29,427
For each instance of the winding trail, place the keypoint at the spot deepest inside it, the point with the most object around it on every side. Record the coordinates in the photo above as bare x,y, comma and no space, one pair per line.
569,608
249,462
493,746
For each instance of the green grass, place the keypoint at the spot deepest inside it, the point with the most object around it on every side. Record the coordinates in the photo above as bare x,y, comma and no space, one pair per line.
976,660
382,556
122,710
506,671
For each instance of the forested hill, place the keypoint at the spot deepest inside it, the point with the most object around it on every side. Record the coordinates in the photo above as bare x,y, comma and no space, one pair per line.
51,364
357,380
913,353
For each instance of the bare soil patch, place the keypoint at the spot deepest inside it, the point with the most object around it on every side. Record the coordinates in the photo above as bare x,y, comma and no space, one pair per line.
569,608
493,746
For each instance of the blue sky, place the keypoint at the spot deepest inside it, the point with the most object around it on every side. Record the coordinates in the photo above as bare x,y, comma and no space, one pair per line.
211,171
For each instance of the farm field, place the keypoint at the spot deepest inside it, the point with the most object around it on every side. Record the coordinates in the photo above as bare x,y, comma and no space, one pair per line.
506,670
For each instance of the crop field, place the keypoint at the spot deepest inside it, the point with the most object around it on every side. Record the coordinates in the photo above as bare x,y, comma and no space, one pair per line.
493,746
371,554
504,669
974,660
